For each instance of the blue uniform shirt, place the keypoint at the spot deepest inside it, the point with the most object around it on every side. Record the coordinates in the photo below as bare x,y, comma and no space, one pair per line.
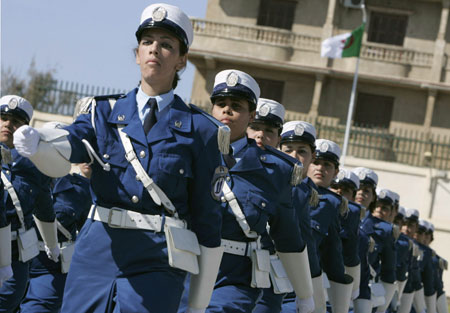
403,247
383,258
325,222
180,153
261,184
349,234
427,271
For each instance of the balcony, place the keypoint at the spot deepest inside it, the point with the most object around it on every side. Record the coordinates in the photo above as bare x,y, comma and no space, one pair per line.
265,43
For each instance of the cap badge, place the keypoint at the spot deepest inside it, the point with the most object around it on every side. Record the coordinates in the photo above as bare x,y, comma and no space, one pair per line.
299,130
232,79
382,194
264,110
159,14
13,103
362,175
324,147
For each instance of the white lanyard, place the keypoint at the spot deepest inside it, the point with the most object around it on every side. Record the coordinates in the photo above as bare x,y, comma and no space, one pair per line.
15,199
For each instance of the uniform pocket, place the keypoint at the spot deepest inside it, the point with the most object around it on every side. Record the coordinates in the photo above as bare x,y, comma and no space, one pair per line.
175,165
257,210
112,152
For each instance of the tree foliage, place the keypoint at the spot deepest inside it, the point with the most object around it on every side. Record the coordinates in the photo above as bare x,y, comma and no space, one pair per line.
36,88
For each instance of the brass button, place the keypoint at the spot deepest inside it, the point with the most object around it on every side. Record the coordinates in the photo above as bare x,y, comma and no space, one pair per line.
223,199
137,178
181,171
263,158
106,156
121,117
142,154
263,204
134,199
8,172
178,124
228,178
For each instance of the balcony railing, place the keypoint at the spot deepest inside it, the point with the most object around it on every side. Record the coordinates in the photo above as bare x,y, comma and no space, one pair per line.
284,38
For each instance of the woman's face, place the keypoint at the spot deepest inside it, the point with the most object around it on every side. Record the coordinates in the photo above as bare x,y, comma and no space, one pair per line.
409,228
158,56
322,172
300,151
365,195
264,135
383,211
234,113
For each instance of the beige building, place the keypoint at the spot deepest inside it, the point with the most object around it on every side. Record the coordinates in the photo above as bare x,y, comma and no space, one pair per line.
404,79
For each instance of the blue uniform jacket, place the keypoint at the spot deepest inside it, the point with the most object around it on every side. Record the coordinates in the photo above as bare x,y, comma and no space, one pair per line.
403,247
71,201
364,246
439,283
325,223
180,153
349,234
383,258
32,188
261,184
427,271
414,278
301,196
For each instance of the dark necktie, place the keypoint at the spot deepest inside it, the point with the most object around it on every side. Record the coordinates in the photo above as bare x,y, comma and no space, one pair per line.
150,119
230,161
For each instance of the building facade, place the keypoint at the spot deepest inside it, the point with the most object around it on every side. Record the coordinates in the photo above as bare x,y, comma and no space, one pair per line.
404,76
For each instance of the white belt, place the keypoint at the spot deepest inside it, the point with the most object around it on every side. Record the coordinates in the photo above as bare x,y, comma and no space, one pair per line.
120,218
237,247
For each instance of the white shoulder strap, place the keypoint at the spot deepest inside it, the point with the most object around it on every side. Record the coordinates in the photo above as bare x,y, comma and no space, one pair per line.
158,196
237,211
15,199
64,230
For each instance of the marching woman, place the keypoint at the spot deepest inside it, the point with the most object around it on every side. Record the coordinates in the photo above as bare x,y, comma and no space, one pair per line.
154,159
26,197
255,191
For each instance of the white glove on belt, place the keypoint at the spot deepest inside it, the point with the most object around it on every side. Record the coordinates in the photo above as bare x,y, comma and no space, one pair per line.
304,305
26,140
5,274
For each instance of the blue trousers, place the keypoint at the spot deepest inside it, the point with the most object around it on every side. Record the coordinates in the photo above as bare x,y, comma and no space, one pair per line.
234,299
45,293
13,289
121,270
270,302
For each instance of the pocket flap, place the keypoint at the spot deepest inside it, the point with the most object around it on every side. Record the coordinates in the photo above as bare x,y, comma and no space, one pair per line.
277,268
263,260
67,252
184,239
28,238
261,202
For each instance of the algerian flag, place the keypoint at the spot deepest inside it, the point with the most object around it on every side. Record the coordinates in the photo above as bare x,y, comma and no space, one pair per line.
344,45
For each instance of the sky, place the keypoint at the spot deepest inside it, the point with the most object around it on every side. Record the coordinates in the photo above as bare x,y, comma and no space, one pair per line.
83,41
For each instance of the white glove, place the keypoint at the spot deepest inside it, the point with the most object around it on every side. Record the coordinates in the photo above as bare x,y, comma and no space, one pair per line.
305,305
5,274
53,253
355,294
26,140
191,310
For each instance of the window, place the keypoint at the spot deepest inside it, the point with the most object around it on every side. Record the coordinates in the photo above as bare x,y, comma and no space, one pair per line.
387,28
276,13
271,89
373,110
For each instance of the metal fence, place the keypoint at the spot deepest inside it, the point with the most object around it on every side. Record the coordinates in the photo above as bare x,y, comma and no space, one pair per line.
412,147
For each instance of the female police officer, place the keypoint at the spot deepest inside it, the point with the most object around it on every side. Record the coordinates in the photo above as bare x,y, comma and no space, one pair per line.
133,253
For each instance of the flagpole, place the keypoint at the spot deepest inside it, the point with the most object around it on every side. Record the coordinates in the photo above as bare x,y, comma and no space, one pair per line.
352,101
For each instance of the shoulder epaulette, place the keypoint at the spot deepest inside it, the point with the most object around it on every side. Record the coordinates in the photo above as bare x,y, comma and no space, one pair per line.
297,171
411,244
314,197
106,97
371,244
395,231
223,131
343,208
